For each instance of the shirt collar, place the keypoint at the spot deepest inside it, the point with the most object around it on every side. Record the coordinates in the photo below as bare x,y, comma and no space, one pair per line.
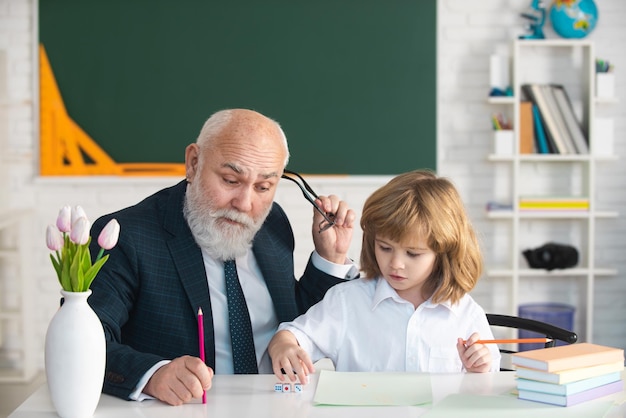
385,291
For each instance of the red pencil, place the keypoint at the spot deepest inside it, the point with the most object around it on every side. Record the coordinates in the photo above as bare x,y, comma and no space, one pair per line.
201,343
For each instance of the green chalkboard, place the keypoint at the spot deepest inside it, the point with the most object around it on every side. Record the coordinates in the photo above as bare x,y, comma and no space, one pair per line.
352,82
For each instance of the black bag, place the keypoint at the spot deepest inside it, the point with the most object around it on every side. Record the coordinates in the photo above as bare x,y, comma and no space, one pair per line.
552,256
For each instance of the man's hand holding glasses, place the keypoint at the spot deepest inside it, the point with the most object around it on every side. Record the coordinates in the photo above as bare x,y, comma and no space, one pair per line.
333,221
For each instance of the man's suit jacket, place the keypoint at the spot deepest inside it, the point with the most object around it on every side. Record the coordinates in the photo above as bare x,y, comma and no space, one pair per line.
148,292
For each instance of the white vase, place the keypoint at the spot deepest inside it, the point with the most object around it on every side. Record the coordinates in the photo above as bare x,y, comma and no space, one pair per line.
75,357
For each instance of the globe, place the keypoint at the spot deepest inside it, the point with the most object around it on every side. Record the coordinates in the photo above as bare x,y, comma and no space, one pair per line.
573,18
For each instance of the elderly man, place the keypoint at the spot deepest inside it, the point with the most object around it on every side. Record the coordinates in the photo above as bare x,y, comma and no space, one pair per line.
199,244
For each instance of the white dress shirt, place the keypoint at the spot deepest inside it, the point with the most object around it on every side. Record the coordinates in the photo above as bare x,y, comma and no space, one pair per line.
260,307
363,325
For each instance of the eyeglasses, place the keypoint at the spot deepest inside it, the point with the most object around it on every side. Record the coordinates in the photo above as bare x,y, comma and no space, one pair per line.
310,195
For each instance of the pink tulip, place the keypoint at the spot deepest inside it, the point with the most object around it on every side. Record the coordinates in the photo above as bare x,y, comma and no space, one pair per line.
80,231
64,220
54,239
109,235
78,212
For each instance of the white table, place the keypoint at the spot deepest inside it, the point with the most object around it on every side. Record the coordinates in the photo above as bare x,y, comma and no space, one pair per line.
254,396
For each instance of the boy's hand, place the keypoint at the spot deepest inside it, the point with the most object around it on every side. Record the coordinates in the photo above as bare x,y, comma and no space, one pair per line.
475,357
288,357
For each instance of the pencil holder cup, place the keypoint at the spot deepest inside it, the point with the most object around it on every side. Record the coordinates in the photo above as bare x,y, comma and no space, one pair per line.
603,136
504,142
605,85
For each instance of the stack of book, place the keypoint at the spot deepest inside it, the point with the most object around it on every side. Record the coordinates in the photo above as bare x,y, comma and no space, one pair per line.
553,120
553,203
570,374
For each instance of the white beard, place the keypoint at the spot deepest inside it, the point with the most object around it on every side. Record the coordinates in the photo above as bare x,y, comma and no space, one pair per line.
219,238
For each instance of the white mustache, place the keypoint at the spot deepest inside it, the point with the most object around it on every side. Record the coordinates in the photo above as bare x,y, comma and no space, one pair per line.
233,215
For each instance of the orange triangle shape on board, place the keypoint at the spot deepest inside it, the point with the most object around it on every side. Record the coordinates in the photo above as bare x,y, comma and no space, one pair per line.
66,149
63,144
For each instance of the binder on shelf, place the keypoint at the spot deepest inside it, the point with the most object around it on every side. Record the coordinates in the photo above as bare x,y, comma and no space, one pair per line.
526,128
573,126
540,133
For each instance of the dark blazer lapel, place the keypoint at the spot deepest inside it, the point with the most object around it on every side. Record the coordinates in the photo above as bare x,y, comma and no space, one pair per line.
275,261
187,258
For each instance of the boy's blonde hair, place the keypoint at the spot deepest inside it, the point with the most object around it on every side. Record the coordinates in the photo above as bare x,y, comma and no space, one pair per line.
420,204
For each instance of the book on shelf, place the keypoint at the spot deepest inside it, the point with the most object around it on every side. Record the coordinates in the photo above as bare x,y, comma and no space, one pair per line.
536,94
570,388
555,111
553,206
540,133
569,116
552,209
563,133
498,206
553,203
526,128
570,400
554,198
565,357
571,375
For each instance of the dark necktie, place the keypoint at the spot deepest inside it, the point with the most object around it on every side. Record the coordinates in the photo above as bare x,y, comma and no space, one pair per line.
244,356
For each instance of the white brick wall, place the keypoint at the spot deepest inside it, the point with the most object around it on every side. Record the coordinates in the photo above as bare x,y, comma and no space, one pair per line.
468,32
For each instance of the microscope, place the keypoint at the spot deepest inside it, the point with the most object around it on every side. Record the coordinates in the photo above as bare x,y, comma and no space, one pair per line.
537,17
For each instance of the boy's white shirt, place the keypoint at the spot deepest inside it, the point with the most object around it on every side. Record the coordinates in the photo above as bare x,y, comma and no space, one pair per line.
364,325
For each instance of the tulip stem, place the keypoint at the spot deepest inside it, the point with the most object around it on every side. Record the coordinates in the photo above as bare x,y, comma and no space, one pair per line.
100,254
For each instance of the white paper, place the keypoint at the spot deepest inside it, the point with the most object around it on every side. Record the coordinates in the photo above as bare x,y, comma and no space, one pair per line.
360,388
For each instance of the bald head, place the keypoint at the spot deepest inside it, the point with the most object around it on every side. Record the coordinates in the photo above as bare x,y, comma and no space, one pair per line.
242,128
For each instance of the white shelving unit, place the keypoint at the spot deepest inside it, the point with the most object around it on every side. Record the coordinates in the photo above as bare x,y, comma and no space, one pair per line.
570,63
17,347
